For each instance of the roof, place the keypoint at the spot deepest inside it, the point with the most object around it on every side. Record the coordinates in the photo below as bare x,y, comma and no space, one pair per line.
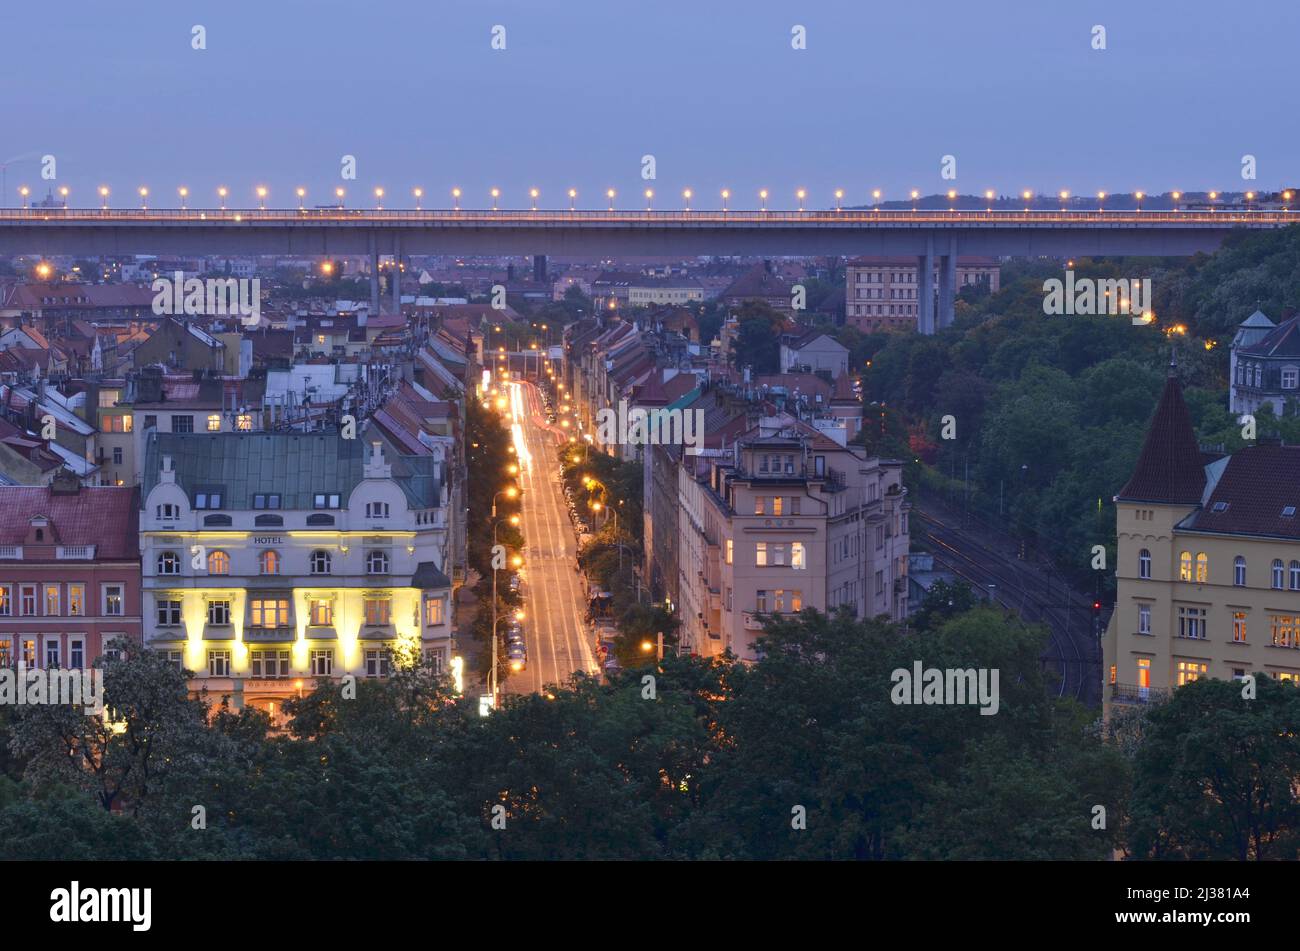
1258,319
427,575
1282,341
757,283
1256,485
297,466
1170,468
105,516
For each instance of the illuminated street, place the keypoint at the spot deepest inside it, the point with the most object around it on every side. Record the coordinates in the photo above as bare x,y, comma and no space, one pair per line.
558,643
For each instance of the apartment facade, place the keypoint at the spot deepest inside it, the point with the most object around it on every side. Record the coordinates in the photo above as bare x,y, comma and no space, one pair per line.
69,572
272,560
780,520
881,292
1208,566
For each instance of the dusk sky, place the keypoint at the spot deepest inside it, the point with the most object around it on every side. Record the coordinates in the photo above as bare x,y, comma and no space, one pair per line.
711,88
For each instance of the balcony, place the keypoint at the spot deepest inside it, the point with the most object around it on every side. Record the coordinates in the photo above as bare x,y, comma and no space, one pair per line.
74,552
269,635
1131,693
11,551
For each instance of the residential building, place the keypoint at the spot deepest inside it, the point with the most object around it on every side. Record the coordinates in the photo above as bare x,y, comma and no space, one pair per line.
69,572
881,292
271,560
1265,365
1208,565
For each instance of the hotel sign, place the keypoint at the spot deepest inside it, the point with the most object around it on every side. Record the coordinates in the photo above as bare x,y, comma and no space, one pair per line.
268,539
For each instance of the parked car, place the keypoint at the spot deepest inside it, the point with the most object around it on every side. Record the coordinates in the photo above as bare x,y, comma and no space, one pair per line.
518,655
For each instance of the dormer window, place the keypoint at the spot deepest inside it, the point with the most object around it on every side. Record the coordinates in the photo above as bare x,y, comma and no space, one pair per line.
376,510
1220,507
1288,511
168,511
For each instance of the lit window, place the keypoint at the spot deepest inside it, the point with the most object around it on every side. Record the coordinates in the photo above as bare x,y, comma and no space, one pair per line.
322,612
1189,671
269,612
76,599
1239,627
730,549
218,563
760,553
1185,566
798,557
244,422
434,609
52,599
113,600
378,610
1282,630
1202,568
270,562
214,423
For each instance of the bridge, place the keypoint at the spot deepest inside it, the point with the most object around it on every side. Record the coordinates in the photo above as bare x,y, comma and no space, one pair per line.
934,237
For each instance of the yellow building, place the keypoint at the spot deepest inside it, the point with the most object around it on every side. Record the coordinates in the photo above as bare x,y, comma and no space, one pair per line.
1208,572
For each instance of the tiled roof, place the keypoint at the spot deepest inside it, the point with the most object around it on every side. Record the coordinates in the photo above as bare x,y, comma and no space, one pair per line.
1282,341
1258,484
1170,468
104,516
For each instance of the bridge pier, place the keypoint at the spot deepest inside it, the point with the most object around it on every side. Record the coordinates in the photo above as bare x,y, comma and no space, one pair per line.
397,274
374,275
948,285
925,289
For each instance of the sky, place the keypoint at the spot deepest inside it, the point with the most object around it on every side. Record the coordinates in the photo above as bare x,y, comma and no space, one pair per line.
1013,90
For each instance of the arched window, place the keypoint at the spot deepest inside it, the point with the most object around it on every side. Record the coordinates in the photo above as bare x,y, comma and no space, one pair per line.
1277,573
320,562
270,562
377,563
169,563
218,563
1185,566
1295,576
1239,571
1202,567
1144,564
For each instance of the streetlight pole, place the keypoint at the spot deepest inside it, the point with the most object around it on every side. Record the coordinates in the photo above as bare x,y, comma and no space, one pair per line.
509,493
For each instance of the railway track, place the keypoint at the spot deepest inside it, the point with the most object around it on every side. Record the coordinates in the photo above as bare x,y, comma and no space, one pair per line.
1070,652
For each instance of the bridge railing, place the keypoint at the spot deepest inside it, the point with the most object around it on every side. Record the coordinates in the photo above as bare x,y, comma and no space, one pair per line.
892,216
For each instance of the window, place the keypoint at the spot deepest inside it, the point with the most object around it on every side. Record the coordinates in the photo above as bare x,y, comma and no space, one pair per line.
777,552
207,500
377,563
214,422
76,651
1202,568
1282,630
322,663
244,422
169,613
1239,627
794,505
113,600
270,664
216,520
1294,576
29,652
1144,674
182,424
434,610
1191,622
117,455
1277,573
731,547
1144,564
219,613
150,422
1189,671
1290,377
760,554
760,507
314,520
1185,566
76,600
6,601
322,612
269,612
176,659
325,501
320,562
760,601
378,610
169,563
778,601
377,662
798,556
53,597
1114,673
777,507
1239,571
218,563
269,562
167,512
218,663
27,600
1144,619
376,510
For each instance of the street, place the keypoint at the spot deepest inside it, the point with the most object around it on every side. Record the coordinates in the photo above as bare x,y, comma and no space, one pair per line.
554,628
